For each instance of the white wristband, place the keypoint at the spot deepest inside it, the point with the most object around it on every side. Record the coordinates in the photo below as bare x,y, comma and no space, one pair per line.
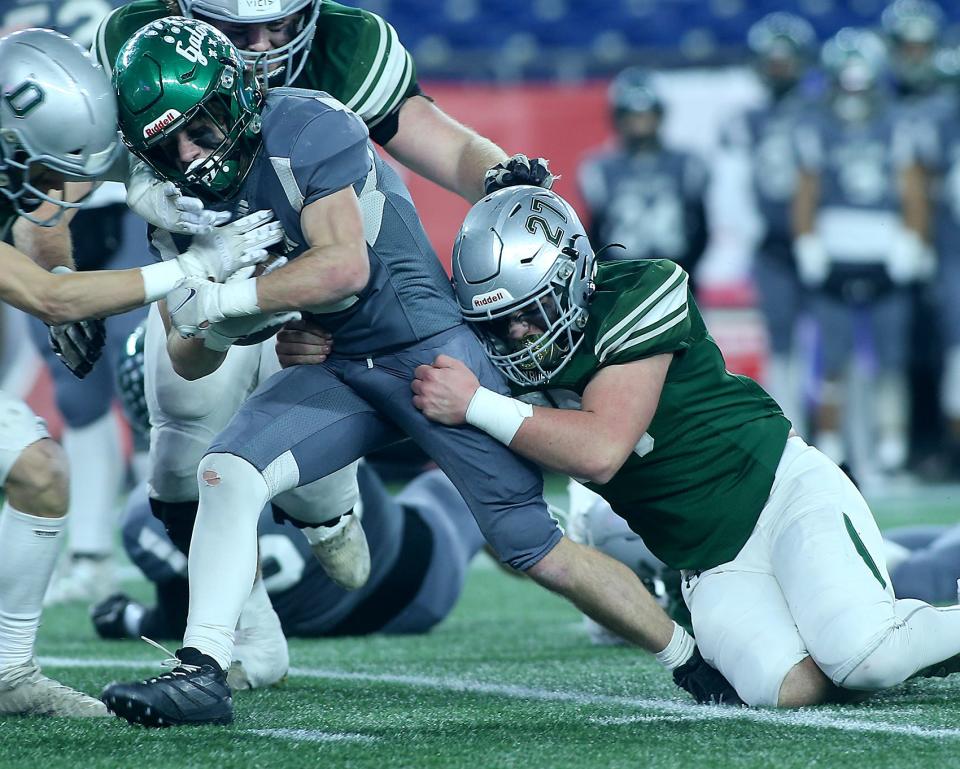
679,649
160,279
497,415
239,298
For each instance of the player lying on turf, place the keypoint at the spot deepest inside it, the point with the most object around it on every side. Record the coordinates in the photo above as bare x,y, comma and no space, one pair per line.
44,78
781,557
421,543
359,258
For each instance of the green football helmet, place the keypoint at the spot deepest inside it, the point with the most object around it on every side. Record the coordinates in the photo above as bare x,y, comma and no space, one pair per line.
181,77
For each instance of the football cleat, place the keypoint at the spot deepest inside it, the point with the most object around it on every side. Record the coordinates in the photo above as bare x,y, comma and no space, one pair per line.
260,655
84,580
942,669
26,691
705,682
195,691
343,551
108,616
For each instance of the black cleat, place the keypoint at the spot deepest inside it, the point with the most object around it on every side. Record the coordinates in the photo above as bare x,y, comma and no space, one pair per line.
942,669
107,616
194,692
704,682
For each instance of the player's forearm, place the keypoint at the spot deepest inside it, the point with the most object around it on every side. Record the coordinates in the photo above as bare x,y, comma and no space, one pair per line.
190,358
575,443
57,299
320,276
805,202
916,206
439,148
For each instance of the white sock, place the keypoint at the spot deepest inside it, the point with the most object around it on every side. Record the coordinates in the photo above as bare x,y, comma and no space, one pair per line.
96,475
257,606
678,651
223,552
28,552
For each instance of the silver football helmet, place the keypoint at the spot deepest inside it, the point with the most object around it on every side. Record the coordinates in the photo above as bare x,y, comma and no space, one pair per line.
523,274
855,61
58,110
285,62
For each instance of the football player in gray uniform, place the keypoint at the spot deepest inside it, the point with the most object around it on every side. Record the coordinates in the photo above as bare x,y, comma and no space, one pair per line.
360,260
643,195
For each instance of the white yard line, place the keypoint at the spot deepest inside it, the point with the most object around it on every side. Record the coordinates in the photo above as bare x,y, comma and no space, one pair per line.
817,719
311,735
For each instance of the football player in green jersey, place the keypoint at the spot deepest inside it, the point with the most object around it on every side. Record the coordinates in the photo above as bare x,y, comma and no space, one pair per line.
351,54
781,558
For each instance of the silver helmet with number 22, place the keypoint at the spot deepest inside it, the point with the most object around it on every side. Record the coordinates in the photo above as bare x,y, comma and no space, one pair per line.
523,274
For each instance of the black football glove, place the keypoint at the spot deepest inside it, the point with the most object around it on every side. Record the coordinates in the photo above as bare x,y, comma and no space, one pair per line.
518,169
705,683
79,344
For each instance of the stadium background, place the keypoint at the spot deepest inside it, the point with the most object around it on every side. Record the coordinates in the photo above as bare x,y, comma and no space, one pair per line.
533,77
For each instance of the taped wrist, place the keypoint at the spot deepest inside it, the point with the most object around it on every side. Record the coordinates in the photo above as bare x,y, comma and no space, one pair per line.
239,298
160,279
679,649
497,415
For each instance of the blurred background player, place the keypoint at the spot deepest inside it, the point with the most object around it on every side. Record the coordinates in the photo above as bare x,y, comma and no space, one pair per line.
783,47
858,221
920,68
641,194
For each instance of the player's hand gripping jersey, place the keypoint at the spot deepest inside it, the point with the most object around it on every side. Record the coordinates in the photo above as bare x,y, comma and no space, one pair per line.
356,57
697,481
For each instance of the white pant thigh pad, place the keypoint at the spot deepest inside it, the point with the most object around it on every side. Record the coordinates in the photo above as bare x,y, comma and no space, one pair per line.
827,556
743,626
324,499
19,428
185,416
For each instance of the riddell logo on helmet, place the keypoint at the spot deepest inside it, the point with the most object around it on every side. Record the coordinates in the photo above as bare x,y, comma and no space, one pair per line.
492,297
160,123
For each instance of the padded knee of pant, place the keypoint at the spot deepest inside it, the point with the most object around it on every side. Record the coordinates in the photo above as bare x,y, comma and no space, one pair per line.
884,667
178,519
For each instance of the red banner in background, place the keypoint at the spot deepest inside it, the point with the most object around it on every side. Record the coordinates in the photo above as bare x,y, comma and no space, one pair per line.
561,123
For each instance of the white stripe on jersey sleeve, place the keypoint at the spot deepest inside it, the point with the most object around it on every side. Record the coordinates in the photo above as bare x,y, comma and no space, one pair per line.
630,319
353,103
634,341
99,47
397,71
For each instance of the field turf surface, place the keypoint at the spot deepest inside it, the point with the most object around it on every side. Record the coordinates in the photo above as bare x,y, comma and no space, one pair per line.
509,680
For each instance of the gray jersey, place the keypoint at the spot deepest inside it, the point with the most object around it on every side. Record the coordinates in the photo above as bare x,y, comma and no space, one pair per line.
312,147
936,146
765,136
650,202
856,162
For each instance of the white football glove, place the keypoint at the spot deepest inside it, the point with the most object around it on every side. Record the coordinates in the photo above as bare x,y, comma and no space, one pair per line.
162,204
230,247
222,334
196,304
909,258
813,261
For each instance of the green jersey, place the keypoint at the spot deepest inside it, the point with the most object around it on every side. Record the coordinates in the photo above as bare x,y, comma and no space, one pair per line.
695,484
356,57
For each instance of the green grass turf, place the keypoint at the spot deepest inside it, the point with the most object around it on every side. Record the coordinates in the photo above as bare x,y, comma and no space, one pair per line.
509,680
